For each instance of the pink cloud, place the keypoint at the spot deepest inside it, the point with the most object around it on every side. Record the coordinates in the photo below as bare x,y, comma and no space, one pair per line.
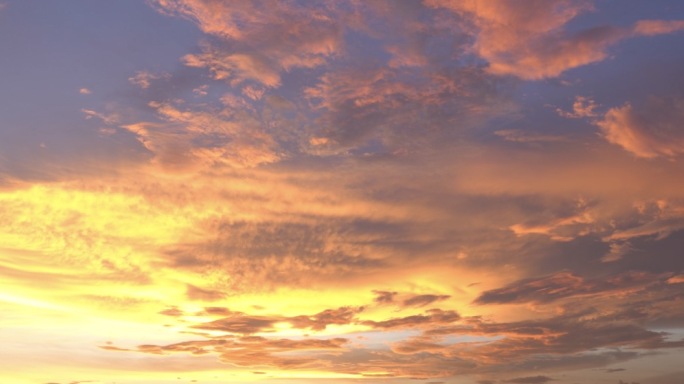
531,42
265,38
582,107
235,67
144,79
192,138
648,131
657,27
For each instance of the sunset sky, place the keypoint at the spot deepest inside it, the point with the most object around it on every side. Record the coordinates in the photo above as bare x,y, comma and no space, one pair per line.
329,191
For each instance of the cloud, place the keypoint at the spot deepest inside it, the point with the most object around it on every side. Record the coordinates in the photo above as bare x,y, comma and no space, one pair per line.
238,66
417,345
384,297
296,249
217,311
532,42
201,90
319,321
403,110
530,380
144,79
262,40
423,300
560,341
521,136
241,323
656,219
568,334
407,300
563,285
110,119
84,91
196,293
561,229
583,107
676,279
189,139
334,151
617,251
647,131
347,105
657,27
253,351
173,311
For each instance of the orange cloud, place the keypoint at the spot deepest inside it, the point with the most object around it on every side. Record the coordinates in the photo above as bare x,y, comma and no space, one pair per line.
531,42
238,67
359,196
360,105
657,27
195,138
431,318
581,108
648,131
521,136
265,39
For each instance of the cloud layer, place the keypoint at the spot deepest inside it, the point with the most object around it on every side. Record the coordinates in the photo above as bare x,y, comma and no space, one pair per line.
306,191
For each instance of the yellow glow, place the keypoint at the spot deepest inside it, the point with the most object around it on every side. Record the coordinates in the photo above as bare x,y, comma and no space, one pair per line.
30,302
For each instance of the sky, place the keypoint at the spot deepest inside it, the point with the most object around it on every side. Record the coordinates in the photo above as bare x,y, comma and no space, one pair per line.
343,191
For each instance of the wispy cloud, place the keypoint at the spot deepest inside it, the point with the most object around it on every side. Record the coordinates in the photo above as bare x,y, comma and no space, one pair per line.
144,79
647,131
583,107
532,42
264,39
